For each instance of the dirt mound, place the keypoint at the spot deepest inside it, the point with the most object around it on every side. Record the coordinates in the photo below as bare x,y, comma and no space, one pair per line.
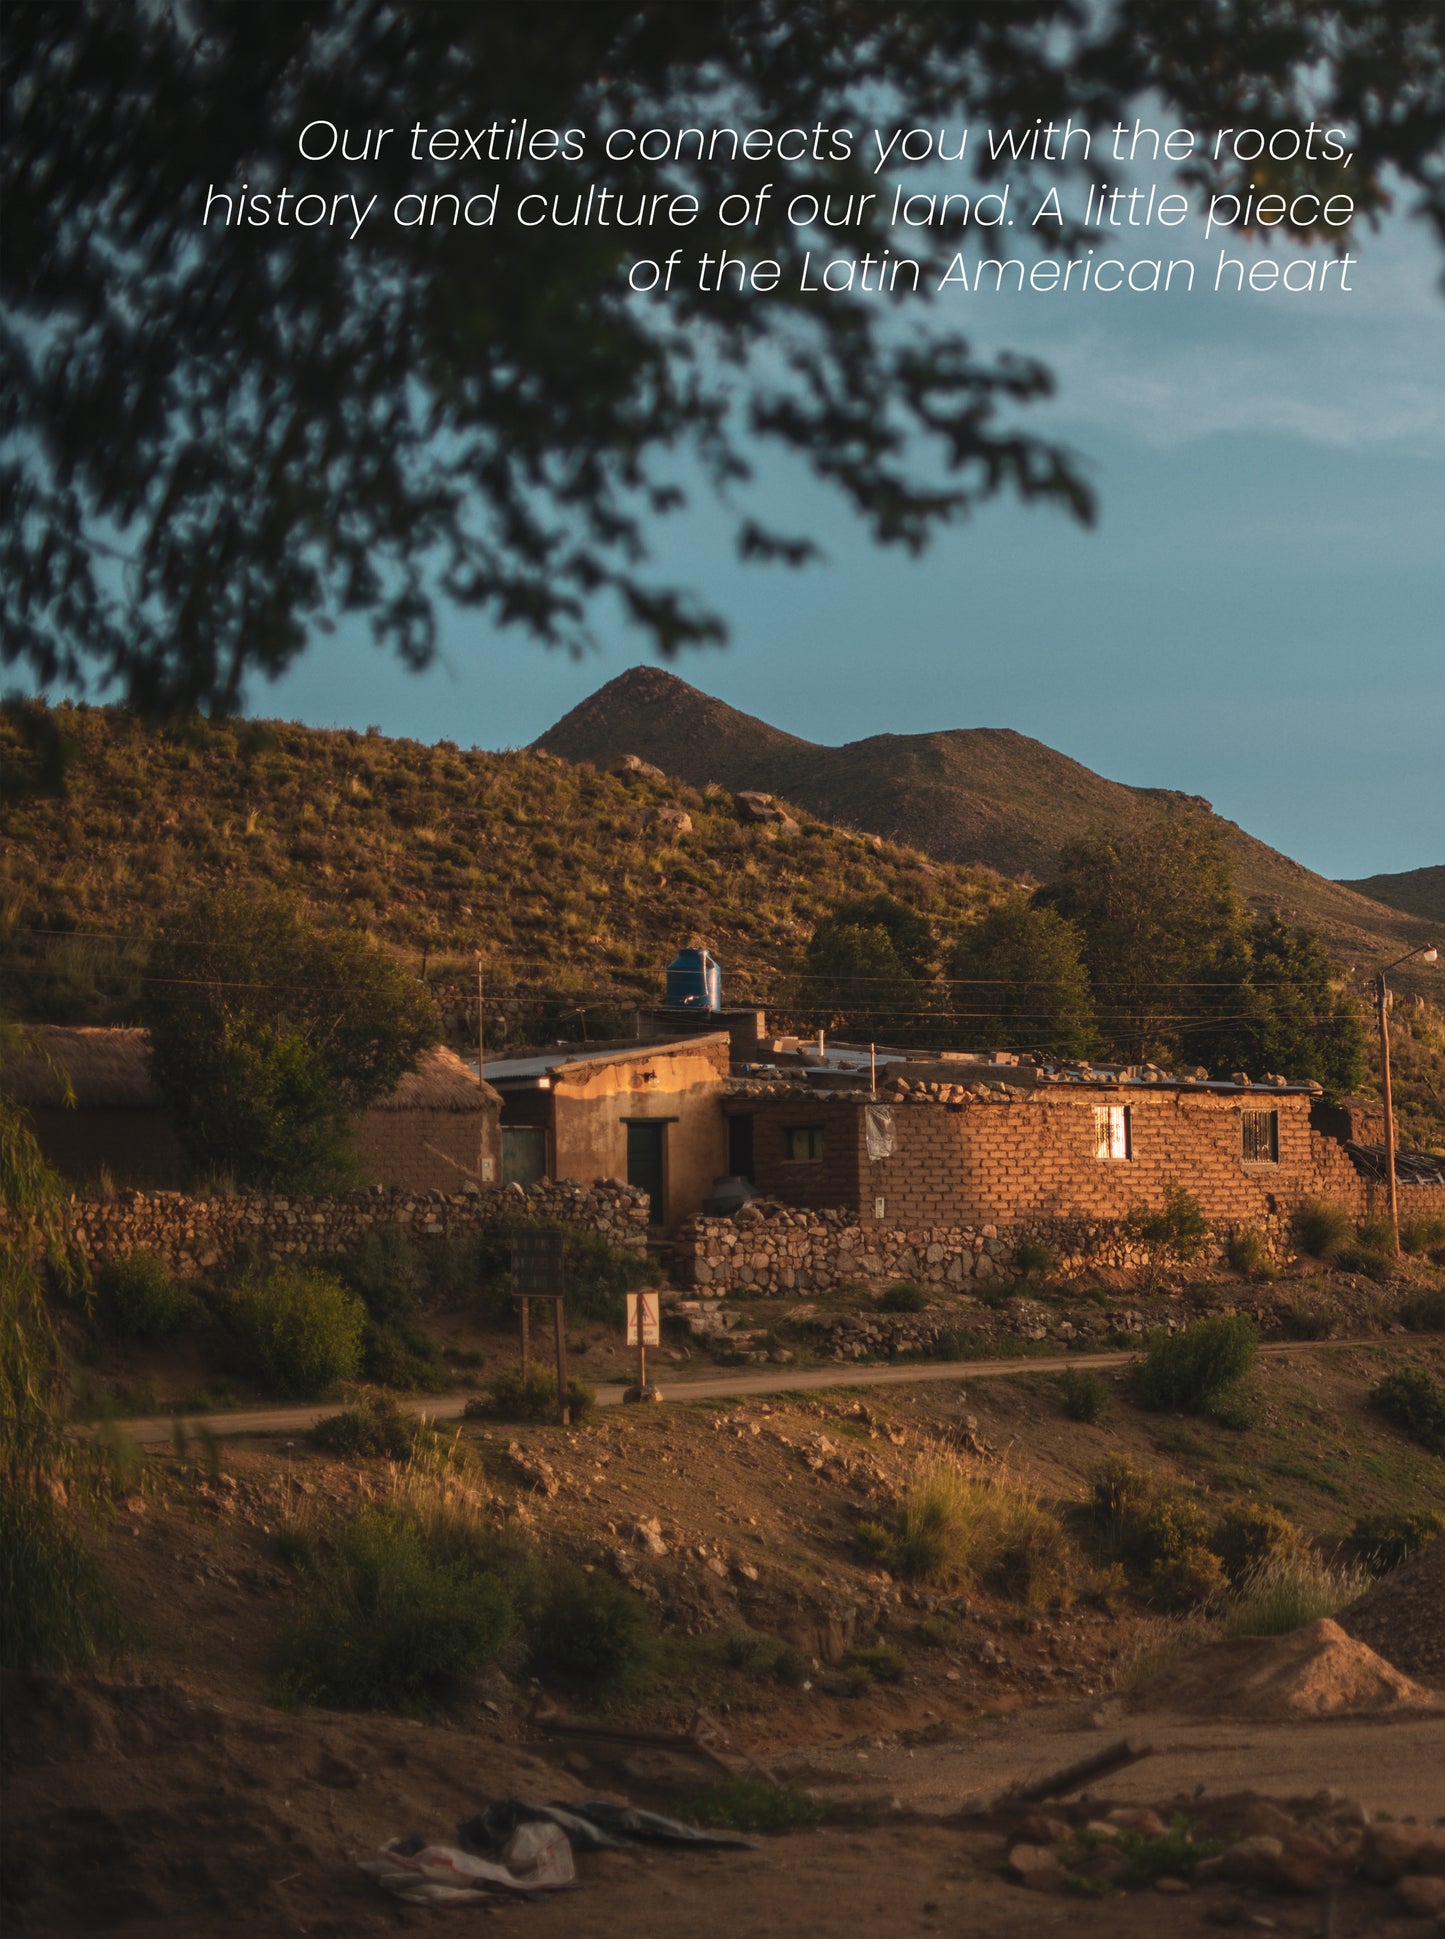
154,1807
1318,1671
1401,1616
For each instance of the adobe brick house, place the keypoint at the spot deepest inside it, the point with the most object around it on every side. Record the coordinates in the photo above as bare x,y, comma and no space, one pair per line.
1027,1147
438,1130
647,1113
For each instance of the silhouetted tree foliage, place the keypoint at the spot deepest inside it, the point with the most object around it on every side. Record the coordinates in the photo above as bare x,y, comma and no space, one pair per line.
1293,1015
217,439
1019,982
852,979
268,1036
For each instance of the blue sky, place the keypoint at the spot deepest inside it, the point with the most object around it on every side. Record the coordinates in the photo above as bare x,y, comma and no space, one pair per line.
1259,616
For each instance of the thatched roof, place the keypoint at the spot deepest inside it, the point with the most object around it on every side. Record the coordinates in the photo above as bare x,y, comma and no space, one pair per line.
107,1071
106,1068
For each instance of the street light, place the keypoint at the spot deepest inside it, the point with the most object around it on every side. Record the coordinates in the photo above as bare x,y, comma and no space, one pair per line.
1428,953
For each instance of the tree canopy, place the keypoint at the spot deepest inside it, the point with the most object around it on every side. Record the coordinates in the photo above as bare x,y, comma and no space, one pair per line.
1019,983
217,439
268,1036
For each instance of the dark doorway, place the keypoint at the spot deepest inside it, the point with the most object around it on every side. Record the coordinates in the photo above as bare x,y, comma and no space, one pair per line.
740,1149
645,1165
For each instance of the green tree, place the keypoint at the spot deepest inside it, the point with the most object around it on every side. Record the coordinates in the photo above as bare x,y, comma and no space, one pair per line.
912,937
851,979
1164,931
1019,982
269,1036
218,435
1293,1015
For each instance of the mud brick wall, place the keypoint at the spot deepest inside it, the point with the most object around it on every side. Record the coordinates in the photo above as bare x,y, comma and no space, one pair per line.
195,1235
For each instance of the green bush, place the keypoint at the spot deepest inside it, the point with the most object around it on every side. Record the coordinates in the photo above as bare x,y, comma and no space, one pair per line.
1307,1319
587,1629
1367,1260
1158,1530
1289,1588
138,1298
1249,1254
1423,1312
1376,1234
384,1623
1085,1396
1413,1401
905,1297
374,1426
530,1394
1250,1533
1321,1227
748,1804
952,1526
297,1329
389,1273
1174,1233
1385,1541
1032,1259
1187,1580
1423,1234
879,1663
1190,1372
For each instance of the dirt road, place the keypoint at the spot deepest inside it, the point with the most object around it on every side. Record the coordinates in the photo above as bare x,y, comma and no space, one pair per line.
777,1380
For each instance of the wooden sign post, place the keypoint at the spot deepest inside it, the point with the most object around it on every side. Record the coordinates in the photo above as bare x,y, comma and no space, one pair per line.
644,1330
538,1273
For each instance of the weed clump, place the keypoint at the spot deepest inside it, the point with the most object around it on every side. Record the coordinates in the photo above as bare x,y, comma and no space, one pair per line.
530,1394
138,1298
1085,1396
955,1527
1321,1228
1250,1533
1385,1541
1193,1371
1423,1312
749,1804
1158,1532
386,1621
1249,1254
1288,1588
1425,1233
375,1426
906,1297
298,1330
1413,1401
587,1629
1032,1259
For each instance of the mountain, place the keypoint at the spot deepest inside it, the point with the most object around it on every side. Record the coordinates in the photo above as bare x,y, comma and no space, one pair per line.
1418,892
980,796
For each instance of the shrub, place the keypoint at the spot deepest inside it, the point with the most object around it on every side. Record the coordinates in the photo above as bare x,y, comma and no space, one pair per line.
587,1629
137,1298
1321,1227
375,1426
385,1623
1175,1233
1085,1396
389,1273
791,1666
1423,1234
1413,1401
1190,1372
879,1663
530,1394
955,1527
1307,1319
1249,1254
404,1356
753,1804
1385,1541
299,1330
1376,1234
1367,1260
1250,1533
1187,1580
1423,1312
1032,1259
1287,1589
905,1297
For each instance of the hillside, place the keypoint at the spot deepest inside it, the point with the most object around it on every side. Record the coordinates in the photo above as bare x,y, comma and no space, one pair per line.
977,796
571,883
1418,892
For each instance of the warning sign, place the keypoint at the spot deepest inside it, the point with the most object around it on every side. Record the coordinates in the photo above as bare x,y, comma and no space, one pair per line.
644,1320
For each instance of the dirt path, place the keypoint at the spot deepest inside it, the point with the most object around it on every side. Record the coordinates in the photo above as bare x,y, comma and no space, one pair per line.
780,1380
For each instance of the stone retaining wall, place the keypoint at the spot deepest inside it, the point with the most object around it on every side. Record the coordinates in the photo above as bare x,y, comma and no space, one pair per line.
197,1235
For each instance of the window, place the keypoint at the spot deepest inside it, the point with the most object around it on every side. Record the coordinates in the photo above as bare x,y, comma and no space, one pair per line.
1112,1135
1260,1135
805,1143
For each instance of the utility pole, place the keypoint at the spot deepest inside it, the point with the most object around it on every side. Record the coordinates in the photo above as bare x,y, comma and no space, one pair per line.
1428,953
479,1015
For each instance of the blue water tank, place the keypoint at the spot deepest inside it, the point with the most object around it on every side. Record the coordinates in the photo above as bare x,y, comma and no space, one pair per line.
694,981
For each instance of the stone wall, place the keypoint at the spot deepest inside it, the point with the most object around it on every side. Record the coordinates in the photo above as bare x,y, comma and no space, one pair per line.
195,1235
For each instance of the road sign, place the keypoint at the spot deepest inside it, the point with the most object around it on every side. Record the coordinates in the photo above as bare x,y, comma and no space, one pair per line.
644,1320
537,1261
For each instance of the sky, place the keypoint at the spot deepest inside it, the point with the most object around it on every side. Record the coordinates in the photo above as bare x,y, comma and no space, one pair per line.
1258,616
